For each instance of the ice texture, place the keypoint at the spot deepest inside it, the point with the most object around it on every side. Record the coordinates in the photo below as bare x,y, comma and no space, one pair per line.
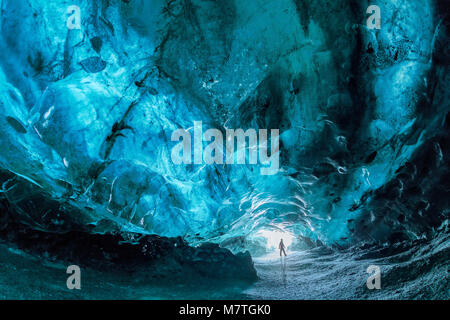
86,117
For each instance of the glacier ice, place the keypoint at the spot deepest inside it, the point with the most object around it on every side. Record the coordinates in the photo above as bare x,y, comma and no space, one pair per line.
87,117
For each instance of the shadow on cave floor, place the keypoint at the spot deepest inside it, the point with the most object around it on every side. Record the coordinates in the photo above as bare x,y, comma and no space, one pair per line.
25,277
410,272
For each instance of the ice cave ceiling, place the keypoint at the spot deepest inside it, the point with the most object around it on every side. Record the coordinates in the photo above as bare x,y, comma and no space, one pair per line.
86,117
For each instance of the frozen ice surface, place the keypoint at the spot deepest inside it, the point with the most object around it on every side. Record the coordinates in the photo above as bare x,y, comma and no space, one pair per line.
86,117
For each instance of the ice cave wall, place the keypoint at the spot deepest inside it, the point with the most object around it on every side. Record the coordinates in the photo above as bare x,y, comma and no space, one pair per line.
87,116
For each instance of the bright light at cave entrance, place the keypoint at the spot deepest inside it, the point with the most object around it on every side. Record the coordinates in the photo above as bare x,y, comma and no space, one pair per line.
273,238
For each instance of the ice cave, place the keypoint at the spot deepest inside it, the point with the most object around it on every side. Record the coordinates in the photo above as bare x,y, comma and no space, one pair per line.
93,91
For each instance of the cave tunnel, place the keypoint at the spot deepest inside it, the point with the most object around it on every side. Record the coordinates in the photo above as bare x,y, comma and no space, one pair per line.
179,141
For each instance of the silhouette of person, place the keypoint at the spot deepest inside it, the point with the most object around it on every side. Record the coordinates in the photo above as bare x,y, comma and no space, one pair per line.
281,246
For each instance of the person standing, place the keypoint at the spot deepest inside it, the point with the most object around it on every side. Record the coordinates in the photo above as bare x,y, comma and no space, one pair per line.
282,248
